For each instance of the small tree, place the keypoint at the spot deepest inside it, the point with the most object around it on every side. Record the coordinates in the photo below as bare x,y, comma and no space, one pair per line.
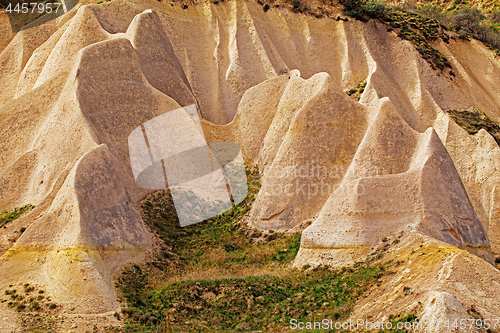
374,9
468,19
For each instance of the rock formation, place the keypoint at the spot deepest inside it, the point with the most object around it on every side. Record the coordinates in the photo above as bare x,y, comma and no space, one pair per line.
393,162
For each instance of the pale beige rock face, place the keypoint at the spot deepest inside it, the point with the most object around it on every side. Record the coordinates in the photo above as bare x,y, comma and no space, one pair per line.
74,88
477,160
416,187
314,134
442,307
258,105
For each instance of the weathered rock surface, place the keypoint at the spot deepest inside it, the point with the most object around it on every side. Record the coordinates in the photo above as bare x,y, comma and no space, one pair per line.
416,187
74,88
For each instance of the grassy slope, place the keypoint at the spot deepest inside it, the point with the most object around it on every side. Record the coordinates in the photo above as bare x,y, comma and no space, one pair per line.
449,5
473,121
36,310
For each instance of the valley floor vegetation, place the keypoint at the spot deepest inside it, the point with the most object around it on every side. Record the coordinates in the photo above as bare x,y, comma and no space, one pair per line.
222,275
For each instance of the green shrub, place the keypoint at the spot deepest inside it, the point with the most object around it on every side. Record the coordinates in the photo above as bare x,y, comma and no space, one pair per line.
28,288
431,11
354,8
35,306
375,9
468,17
355,92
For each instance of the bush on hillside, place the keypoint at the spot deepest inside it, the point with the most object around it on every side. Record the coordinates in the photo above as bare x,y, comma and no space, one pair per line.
495,16
374,9
467,18
467,22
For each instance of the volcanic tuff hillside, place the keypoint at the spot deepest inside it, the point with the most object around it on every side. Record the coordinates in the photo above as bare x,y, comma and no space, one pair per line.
274,82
